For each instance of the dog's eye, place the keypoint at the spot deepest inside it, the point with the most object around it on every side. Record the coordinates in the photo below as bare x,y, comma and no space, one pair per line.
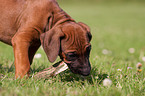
71,56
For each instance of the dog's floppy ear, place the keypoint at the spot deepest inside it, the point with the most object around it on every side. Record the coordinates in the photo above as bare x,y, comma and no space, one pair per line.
50,41
86,28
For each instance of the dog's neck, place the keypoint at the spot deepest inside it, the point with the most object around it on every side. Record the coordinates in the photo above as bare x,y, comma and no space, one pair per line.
59,17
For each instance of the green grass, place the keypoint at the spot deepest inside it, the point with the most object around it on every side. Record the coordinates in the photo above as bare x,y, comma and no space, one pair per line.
115,27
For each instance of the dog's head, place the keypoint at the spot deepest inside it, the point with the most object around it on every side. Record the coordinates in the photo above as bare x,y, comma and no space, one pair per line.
71,41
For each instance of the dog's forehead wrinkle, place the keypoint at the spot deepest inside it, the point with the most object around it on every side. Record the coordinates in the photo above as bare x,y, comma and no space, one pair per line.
75,37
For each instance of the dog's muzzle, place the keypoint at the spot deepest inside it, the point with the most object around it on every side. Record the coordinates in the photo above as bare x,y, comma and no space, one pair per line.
82,69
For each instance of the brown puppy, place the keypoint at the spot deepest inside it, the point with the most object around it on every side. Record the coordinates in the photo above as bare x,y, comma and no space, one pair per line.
26,24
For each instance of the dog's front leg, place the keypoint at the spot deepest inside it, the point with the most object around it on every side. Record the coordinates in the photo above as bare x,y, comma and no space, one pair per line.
21,42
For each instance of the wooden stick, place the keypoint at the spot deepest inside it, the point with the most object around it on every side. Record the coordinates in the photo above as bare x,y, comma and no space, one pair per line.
52,70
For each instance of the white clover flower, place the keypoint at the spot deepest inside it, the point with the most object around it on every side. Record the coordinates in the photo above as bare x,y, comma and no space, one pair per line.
107,82
119,70
131,50
143,59
37,56
105,51
96,77
129,67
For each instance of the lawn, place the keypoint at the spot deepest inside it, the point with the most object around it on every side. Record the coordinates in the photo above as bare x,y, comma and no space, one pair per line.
118,45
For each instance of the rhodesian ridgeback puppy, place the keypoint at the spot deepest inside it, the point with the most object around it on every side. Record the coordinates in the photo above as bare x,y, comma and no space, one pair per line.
27,24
